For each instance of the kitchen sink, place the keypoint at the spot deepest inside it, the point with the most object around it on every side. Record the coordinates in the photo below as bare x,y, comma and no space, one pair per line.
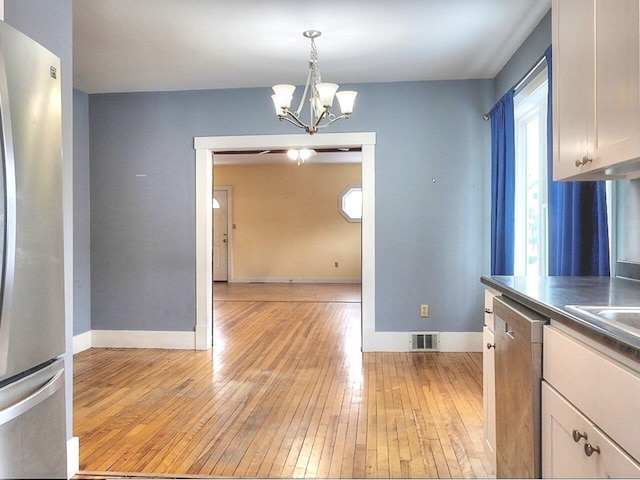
622,318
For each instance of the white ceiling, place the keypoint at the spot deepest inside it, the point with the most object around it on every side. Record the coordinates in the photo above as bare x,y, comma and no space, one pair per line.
156,45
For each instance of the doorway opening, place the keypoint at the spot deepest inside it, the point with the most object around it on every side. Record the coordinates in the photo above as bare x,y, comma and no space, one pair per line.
288,221
206,149
222,228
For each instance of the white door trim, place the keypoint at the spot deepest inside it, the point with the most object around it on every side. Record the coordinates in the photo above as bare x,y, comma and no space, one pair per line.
205,148
229,191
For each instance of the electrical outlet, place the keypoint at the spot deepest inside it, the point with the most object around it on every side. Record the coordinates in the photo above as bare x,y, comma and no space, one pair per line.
424,310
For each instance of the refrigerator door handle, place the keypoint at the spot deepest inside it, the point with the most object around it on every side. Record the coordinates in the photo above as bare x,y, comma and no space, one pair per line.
37,397
8,219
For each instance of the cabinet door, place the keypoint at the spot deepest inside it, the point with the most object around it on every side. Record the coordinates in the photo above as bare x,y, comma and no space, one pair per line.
489,395
573,66
596,99
572,447
616,130
562,457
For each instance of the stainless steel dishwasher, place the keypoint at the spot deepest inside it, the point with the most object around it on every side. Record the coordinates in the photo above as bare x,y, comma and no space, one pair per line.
518,375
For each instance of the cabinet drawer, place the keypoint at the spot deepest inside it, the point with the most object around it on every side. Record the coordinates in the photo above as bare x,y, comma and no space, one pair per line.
602,389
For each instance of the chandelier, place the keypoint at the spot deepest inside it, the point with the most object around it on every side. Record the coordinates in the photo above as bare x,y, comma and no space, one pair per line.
320,97
300,155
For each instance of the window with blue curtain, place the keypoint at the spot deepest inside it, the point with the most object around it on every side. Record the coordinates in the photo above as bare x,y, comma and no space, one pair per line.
502,185
577,240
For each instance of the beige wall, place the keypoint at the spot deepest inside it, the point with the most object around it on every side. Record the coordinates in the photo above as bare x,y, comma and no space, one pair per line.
288,227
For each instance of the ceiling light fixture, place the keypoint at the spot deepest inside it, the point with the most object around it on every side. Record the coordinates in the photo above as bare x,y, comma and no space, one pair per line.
320,97
300,155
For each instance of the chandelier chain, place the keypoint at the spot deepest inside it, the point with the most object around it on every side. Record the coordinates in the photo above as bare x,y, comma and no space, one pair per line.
313,60
316,79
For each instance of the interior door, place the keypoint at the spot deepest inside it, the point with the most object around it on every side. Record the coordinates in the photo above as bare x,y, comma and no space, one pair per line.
220,235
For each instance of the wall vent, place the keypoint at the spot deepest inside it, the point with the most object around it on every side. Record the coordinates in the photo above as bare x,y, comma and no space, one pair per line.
424,342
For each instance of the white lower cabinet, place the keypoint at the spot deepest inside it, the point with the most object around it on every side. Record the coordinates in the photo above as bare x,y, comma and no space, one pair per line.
572,447
489,395
590,399
489,379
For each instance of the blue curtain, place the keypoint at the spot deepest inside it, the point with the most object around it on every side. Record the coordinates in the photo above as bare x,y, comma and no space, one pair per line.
578,229
502,186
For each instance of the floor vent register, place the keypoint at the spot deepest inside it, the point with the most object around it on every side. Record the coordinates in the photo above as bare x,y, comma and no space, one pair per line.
421,342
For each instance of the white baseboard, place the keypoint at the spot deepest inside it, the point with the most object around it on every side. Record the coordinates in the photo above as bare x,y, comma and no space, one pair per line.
401,341
73,456
81,342
204,340
372,341
294,281
142,339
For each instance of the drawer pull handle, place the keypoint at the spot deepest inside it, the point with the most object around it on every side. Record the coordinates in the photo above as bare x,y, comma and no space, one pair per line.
489,346
588,449
578,435
488,310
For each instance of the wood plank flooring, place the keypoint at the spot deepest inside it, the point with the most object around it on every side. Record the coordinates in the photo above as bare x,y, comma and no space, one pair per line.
294,292
285,393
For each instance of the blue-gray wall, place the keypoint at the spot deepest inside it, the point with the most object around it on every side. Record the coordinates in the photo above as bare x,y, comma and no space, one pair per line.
527,55
81,215
432,199
50,23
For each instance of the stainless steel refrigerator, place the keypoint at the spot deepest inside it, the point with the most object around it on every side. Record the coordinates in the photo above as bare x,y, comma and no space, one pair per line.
32,331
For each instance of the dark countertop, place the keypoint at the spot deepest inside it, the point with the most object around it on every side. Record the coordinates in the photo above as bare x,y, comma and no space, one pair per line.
550,296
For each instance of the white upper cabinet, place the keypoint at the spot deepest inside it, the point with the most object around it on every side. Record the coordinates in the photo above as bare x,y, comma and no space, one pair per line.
596,89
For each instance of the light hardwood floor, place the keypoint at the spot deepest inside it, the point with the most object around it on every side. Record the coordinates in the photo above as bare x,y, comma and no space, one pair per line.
284,393
270,292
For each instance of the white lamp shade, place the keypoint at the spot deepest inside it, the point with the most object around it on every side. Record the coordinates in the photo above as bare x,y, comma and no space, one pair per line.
276,103
346,99
326,91
283,94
